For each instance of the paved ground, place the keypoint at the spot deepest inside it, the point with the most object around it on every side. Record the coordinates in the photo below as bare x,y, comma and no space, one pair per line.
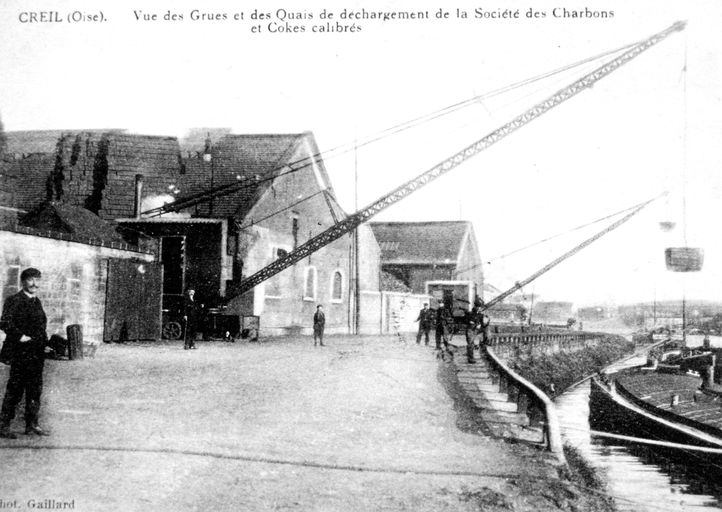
363,424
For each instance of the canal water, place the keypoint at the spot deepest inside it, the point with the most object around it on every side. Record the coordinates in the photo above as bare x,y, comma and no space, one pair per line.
639,477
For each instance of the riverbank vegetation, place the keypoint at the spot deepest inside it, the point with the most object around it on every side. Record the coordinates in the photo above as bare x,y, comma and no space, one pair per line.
555,373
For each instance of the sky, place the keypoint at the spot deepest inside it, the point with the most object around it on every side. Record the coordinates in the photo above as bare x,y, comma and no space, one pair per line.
651,126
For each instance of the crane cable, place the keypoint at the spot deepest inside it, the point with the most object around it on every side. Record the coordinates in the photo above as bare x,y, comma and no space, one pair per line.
451,162
571,252
503,256
344,148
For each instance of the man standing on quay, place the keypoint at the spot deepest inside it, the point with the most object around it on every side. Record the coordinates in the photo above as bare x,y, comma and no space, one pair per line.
426,320
444,327
319,324
190,319
24,323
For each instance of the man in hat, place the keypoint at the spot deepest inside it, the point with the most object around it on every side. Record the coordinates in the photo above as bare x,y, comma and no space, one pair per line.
24,322
191,314
426,320
319,324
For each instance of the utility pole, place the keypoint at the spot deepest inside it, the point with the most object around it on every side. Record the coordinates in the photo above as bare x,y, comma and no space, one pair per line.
357,273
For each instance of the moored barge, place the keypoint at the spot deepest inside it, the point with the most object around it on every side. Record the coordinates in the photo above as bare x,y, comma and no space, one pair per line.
662,408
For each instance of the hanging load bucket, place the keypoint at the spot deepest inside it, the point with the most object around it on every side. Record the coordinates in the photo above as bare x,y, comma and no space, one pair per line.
684,259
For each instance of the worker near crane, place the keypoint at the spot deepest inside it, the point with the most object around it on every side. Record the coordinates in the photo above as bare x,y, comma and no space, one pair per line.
319,324
484,326
444,324
473,325
477,323
426,320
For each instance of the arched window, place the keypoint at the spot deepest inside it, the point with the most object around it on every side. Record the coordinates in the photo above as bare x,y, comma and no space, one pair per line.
337,286
274,285
309,286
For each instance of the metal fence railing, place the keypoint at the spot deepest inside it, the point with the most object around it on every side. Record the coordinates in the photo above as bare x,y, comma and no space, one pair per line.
531,401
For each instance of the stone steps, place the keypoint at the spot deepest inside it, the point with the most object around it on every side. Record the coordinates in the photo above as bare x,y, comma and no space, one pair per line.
505,417
487,387
496,397
480,383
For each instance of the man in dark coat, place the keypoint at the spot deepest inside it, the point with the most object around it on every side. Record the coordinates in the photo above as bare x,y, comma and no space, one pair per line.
476,323
24,322
444,325
426,320
319,324
484,324
191,315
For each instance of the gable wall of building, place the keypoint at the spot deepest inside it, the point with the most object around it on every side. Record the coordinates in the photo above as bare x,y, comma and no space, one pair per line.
281,301
369,259
469,266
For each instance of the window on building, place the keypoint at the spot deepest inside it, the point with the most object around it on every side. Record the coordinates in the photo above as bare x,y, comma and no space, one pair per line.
309,288
76,273
274,288
337,287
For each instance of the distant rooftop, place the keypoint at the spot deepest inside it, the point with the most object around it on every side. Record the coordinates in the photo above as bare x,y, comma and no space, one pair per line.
420,242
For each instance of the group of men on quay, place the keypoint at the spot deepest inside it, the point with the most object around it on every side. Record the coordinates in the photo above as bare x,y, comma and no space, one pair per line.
474,324
26,344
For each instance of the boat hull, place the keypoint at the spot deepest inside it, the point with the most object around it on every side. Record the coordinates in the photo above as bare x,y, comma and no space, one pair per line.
613,413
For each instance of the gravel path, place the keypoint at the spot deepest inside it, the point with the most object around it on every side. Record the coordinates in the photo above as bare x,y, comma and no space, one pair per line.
365,423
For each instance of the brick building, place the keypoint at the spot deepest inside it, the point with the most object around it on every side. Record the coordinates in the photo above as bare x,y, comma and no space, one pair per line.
283,197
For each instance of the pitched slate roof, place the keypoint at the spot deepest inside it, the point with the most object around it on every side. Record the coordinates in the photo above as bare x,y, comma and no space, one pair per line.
23,182
194,141
157,158
99,169
420,242
28,142
250,159
29,162
64,218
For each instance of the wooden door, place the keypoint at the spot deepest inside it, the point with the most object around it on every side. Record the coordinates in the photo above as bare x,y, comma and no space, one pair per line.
133,301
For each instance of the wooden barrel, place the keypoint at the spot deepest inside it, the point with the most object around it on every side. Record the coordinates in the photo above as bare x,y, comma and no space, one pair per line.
75,341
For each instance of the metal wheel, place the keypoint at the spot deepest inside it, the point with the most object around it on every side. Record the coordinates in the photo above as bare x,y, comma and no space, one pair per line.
172,330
